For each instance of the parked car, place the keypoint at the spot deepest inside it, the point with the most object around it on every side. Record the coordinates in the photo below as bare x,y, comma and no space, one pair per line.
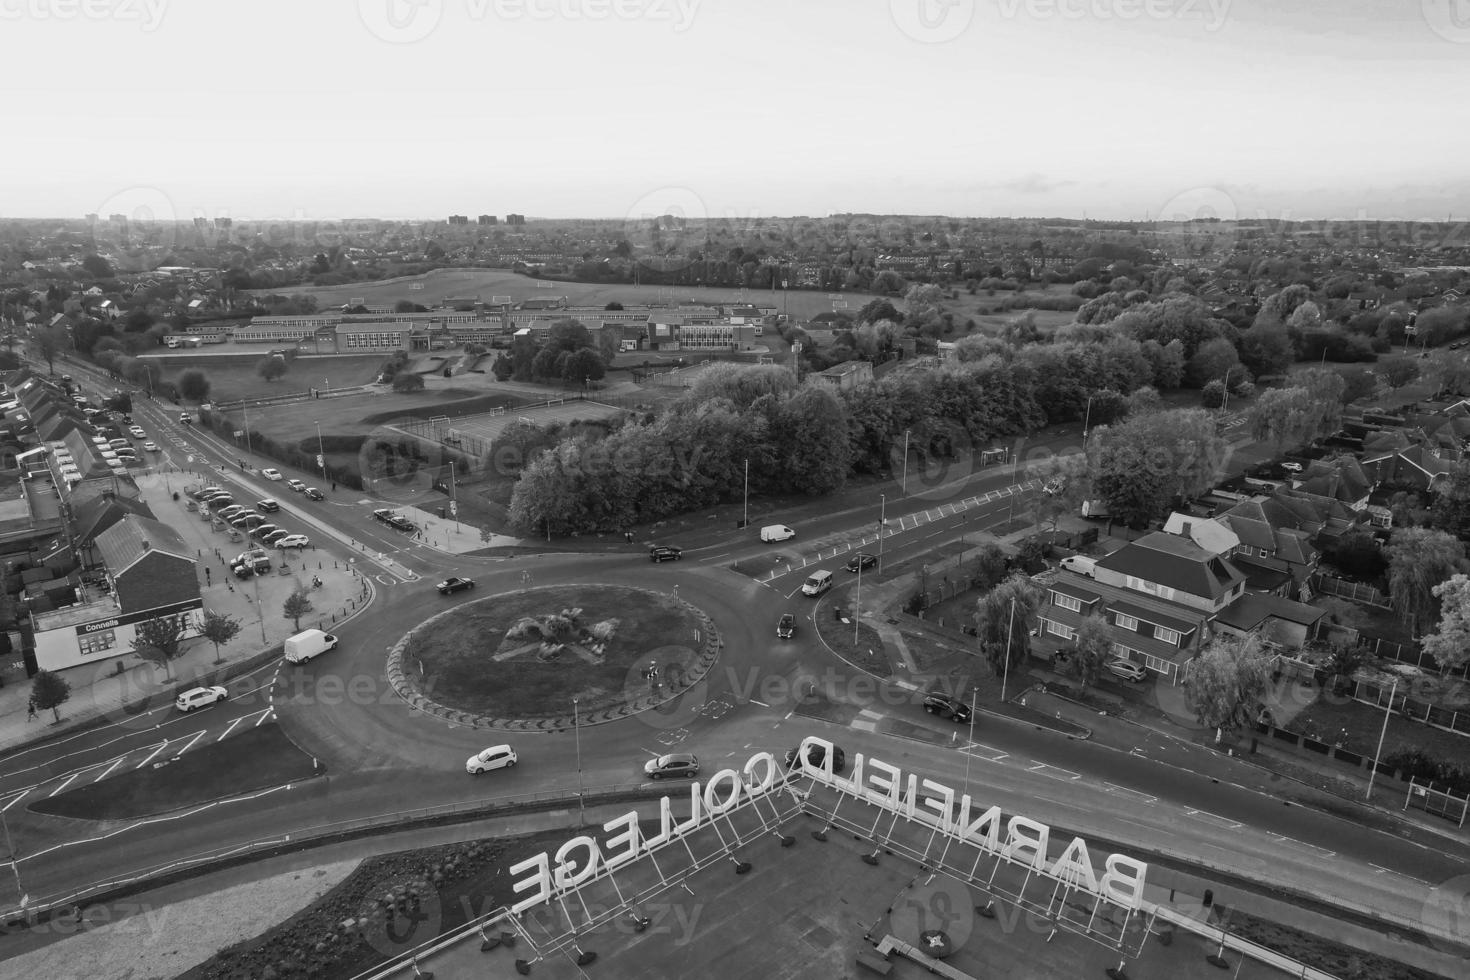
786,627
673,766
455,584
665,552
262,530
241,520
312,493
271,473
861,561
1291,466
267,506
138,431
393,520
296,485
199,697
947,707
1126,670
275,536
251,521
199,493
186,418
293,541
253,554
234,510
495,757
816,754
150,446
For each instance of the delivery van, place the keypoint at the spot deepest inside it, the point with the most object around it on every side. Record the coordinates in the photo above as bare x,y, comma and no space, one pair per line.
817,583
1080,564
308,644
776,532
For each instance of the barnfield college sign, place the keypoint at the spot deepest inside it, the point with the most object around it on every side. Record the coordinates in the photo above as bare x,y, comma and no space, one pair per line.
1016,839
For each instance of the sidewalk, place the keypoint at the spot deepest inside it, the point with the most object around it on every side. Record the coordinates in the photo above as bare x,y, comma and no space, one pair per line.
103,690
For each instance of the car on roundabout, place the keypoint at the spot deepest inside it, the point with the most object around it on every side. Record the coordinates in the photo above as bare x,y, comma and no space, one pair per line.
296,485
675,765
199,697
150,446
665,552
455,584
786,627
816,755
862,561
312,493
495,757
947,707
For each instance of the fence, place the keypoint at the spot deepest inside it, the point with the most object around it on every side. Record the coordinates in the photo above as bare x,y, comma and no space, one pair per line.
1404,653
292,396
1413,709
1437,802
1355,591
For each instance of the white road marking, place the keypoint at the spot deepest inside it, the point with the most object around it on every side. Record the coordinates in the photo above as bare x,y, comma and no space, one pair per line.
145,762
1213,818
1133,793
190,743
231,728
63,785
761,703
1053,772
103,774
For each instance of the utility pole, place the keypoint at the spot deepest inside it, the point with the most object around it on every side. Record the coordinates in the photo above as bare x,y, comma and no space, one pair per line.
1387,713
857,603
1005,673
577,728
905,462
321,455
882,526
746,521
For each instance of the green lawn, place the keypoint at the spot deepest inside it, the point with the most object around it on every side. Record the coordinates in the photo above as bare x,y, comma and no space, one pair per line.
458,651
233,377
1330,718
257,758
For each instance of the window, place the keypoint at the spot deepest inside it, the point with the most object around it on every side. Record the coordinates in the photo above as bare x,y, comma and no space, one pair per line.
97,642
1168,636
1140,585
1067,602
1059,629
1126,622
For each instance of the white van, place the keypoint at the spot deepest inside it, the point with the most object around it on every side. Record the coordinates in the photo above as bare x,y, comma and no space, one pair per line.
1081,565
777,532
817,583
307,644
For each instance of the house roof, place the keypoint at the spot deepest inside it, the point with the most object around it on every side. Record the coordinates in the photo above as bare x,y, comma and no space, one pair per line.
100,513
1251,610
1340,479
1211,535
132,538
1177,562
1261,575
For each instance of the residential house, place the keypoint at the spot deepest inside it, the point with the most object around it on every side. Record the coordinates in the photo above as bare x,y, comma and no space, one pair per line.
848,375
1274,548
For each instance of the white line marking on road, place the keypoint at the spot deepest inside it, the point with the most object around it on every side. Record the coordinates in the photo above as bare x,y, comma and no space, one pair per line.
864,726
1135,794
14,800
63,785
103,774
231,728
1292,840
761,703
1042,767
145,762
190,744
1208,817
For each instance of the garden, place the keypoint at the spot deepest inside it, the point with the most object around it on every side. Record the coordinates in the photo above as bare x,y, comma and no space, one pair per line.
529,654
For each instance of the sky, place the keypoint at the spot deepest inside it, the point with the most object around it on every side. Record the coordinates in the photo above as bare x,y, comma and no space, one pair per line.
289,110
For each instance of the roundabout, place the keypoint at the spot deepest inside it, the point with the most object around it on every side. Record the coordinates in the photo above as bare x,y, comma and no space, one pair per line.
549,658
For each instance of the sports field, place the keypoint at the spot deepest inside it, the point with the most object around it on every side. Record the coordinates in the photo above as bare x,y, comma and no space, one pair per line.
477,433
441,284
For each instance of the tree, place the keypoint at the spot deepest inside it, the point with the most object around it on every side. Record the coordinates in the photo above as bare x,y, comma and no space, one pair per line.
49,343
270,368
1400,373
1092,644
51,691
1139,466
1002,621
1357,384
1225,684
1419,558
97,266
406,382
193,385
1266,349
1214,360
1452,507
1450,644
298,604
160,641
502,368
1284,417
582,366
1064,483
219,629
990,566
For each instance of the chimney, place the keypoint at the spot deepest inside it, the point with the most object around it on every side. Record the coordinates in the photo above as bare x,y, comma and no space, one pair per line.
146,545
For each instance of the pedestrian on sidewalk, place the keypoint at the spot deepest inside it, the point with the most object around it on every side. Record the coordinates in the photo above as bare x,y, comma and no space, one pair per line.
31,711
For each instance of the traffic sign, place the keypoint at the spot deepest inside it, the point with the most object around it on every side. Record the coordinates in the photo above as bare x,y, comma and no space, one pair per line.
321,460
454,507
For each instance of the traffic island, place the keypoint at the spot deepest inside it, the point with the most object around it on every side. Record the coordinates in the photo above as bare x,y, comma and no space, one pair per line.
518,661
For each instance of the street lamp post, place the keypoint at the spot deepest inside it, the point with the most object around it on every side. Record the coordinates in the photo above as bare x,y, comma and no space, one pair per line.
1006,667
258,607
1087,419
857,604
577,728
20,892
321,455
882,526
746,521
245,409
1387,713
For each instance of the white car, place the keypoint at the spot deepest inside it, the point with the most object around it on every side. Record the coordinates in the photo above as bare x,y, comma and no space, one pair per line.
495,757
151,446
271,474
199,697
1292,467
296,485
138,432
294,541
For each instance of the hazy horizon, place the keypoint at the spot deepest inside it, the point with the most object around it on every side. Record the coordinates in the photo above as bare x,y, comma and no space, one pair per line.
561,109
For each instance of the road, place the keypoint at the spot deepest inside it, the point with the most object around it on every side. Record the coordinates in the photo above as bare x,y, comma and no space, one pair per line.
384,757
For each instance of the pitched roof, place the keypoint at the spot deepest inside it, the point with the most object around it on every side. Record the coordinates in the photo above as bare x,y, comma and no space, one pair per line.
130,539
1176,562
1252,609
1209,534
101,513
1341,479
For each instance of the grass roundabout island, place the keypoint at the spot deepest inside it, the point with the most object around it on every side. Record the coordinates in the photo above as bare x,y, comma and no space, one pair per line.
528,654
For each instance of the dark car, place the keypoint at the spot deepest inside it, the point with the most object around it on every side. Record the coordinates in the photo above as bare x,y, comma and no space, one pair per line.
672,766
264,529
862,560
312,493
947,707
393,520
786,627
815,754
665,552
455,584
267,506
